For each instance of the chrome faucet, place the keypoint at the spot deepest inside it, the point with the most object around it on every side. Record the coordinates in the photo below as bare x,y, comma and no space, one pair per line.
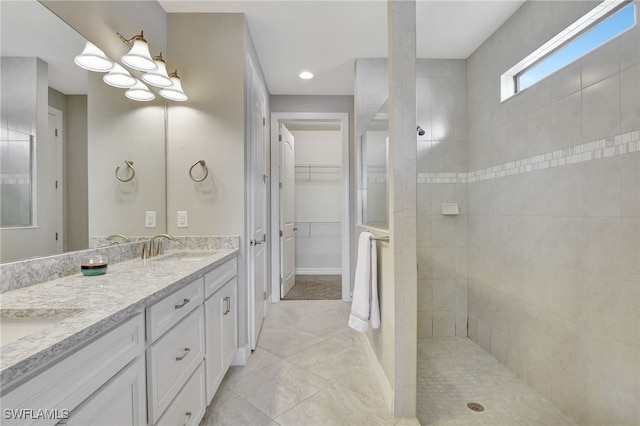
112,237
156,248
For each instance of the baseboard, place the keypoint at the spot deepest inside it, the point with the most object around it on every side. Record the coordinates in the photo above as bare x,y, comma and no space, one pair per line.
318,271
378,372
242,356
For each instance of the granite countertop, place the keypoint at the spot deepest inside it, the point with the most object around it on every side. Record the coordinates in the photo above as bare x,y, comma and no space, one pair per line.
95,303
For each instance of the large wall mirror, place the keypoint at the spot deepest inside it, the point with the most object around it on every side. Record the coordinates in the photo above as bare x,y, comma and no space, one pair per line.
63,134
374,166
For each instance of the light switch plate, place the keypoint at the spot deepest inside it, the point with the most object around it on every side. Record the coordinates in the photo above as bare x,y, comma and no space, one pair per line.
150,219
183,219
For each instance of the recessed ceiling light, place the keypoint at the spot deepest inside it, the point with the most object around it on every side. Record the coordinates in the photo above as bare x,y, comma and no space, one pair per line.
305,75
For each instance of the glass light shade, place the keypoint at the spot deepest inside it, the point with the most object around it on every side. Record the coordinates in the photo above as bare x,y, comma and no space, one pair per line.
119,77
93,59
175,92
159,77
139,57
140,92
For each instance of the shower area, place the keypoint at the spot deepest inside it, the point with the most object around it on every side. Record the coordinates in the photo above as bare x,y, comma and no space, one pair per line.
528,294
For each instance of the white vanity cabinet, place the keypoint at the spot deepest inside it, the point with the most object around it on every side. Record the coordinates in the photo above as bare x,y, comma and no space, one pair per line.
221,287
121,401
66,388
176,347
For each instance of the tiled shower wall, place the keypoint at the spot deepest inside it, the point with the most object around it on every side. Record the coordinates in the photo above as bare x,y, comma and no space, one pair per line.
442,240
553,187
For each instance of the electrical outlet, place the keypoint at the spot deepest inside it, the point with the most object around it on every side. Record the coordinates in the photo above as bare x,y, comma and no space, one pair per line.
183,219
150,219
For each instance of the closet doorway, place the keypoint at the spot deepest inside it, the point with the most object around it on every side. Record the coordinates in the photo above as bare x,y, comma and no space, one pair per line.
310,206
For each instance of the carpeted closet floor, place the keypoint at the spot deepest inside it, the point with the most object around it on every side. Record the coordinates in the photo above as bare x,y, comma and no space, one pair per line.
316,287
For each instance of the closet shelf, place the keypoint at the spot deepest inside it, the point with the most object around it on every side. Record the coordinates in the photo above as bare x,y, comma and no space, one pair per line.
320,173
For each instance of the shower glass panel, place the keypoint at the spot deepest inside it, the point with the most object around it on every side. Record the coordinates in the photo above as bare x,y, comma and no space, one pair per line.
16,183
374,182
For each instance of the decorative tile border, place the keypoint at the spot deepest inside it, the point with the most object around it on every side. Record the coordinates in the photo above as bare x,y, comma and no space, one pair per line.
626,143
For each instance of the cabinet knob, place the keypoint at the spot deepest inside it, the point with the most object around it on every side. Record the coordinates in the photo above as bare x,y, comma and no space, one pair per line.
188,414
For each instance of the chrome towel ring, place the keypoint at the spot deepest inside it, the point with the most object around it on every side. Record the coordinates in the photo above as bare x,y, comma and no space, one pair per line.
204,169
133,172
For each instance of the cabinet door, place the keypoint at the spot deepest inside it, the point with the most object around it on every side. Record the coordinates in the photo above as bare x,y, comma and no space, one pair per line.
121,401
213,313
229,320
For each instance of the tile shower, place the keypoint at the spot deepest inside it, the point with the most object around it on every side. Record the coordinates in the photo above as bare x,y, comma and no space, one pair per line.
542,267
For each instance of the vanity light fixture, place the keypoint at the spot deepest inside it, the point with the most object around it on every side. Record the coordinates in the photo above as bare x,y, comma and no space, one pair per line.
119,77
305,75
159,77
140,92
93,59
175,92
138,57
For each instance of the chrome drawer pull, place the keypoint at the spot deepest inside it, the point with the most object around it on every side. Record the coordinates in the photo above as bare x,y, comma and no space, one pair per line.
185,301
186,352
188,413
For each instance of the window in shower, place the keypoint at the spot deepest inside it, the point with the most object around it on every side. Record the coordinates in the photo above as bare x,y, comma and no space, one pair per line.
16,178
606,21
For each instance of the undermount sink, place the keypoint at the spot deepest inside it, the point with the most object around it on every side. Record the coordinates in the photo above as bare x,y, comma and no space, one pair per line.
18,323
186,256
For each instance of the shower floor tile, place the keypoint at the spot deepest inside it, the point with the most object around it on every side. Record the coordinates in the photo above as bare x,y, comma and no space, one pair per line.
455,371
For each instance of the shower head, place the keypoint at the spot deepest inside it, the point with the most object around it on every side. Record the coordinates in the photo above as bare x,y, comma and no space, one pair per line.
421,131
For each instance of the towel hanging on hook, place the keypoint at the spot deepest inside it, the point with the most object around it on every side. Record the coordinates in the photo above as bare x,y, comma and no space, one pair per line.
204,169
133,172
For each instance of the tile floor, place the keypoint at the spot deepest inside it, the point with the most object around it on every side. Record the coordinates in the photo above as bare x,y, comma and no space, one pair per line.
309,369
455,371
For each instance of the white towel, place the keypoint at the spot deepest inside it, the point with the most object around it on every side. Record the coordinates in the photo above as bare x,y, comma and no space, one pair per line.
365,306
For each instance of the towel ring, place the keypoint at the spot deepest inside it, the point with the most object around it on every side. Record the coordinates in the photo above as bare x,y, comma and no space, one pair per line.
204,168
133,171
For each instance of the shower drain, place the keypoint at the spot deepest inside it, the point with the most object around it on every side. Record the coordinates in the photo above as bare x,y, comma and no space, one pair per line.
474,406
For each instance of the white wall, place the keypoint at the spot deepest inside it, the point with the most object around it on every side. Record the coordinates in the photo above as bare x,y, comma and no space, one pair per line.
210,127
120,129
318,193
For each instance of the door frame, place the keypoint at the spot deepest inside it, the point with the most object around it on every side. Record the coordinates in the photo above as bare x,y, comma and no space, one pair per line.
59,185
254,83
276,118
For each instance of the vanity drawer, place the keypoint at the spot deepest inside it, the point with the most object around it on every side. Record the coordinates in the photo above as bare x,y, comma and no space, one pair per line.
172,359
215,279
68,383
189,406
167,312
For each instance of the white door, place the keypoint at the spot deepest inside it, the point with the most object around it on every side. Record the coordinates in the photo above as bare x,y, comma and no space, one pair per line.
287,212
258,233
55,144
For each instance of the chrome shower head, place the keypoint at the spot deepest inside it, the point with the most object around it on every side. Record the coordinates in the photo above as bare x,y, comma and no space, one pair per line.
420,130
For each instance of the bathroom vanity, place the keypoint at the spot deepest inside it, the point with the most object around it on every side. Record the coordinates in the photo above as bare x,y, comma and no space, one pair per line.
146,343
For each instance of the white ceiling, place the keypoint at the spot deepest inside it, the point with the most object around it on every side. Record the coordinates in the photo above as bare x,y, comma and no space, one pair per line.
325,36
27,28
